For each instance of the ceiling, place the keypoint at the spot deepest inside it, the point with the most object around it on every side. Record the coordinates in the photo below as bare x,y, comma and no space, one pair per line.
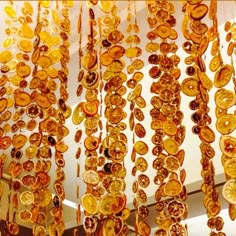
226,11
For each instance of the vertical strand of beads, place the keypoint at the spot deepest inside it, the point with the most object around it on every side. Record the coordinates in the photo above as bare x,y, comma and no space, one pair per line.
114,144
19,27
167,120
198,85
90,107
79,132
216,62
129,41
39,150
30,112
21,71
225,97
152,47
137,106
59,55
26,45
5,57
